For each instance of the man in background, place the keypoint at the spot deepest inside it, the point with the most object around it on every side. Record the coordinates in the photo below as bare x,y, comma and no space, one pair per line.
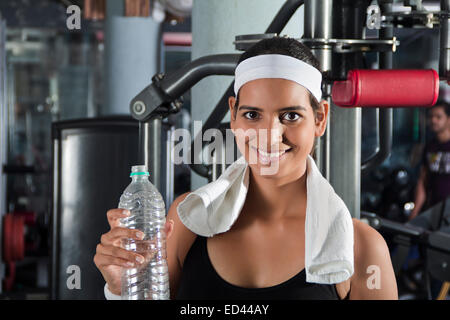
433,185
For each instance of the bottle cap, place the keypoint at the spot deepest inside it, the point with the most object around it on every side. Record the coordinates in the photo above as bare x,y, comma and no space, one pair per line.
140,170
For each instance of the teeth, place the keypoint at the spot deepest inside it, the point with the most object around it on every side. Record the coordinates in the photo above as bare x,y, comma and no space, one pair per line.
267,157
271,155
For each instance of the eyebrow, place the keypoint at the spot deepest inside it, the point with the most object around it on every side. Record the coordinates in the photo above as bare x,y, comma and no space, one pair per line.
290,108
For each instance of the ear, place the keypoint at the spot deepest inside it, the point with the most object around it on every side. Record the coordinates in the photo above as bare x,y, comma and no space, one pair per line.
231,102
321,118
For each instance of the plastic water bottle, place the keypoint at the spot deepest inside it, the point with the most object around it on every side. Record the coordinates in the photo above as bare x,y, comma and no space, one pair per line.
149,280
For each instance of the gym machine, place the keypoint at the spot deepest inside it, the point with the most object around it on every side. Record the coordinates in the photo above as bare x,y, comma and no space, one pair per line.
339,46
433,243
337,32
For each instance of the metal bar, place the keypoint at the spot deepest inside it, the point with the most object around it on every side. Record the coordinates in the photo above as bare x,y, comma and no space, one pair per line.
284,15
345,153
408,230
3,138
444,51
160,97
150,148
153,155
178,82
170,168
340,154
143,143
385,122
54,276
318,24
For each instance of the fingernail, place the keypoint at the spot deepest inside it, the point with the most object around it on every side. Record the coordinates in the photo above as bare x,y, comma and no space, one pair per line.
126,212
130,264
139,259
140,235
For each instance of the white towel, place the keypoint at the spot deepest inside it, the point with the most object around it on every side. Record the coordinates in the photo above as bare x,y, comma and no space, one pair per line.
214,207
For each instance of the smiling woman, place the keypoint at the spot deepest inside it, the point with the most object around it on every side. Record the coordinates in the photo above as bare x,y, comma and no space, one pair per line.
293,237
277,113
278,88
284,120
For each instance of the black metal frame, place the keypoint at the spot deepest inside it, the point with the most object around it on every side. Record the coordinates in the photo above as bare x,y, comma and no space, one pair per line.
385,114
55,227
433,244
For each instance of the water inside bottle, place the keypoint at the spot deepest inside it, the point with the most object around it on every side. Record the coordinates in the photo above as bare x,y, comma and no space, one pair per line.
149,280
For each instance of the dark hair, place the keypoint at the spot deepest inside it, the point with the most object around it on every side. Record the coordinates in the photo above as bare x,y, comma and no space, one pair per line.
289,47
443,104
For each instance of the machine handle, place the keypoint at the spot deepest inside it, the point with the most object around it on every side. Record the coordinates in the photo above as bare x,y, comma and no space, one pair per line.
156,98
387,89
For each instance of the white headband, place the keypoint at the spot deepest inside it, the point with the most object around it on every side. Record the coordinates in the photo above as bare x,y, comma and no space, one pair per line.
279,66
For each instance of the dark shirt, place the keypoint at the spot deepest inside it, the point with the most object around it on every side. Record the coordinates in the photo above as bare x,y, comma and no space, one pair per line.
199,280
436,159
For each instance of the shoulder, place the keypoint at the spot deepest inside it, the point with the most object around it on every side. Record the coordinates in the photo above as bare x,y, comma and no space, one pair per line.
173,207
433,144
182,237
369,245
368,241
172,213
373,276
446,146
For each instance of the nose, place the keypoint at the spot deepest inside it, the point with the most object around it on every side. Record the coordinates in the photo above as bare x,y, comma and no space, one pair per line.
272,137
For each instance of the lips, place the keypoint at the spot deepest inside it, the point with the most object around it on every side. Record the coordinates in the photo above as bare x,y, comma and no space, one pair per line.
267,157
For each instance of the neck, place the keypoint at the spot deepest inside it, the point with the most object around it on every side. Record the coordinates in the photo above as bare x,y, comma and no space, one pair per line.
273,198
443,136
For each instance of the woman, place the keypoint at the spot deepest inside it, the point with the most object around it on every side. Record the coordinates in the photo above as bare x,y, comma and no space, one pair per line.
241,263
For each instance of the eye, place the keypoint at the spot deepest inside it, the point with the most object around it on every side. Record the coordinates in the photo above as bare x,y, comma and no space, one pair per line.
291,116
251,115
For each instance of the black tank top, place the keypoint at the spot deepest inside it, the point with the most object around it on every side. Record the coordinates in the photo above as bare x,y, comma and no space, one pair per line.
199,280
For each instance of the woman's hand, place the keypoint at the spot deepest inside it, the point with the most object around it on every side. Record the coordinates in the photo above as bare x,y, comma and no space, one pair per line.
111,257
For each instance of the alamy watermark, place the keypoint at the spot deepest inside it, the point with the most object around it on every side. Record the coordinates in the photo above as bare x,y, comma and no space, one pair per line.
74,20
220,148
374,280
74,278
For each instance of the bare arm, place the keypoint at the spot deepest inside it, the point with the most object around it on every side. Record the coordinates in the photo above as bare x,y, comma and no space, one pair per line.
173,246
374,277
420,195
